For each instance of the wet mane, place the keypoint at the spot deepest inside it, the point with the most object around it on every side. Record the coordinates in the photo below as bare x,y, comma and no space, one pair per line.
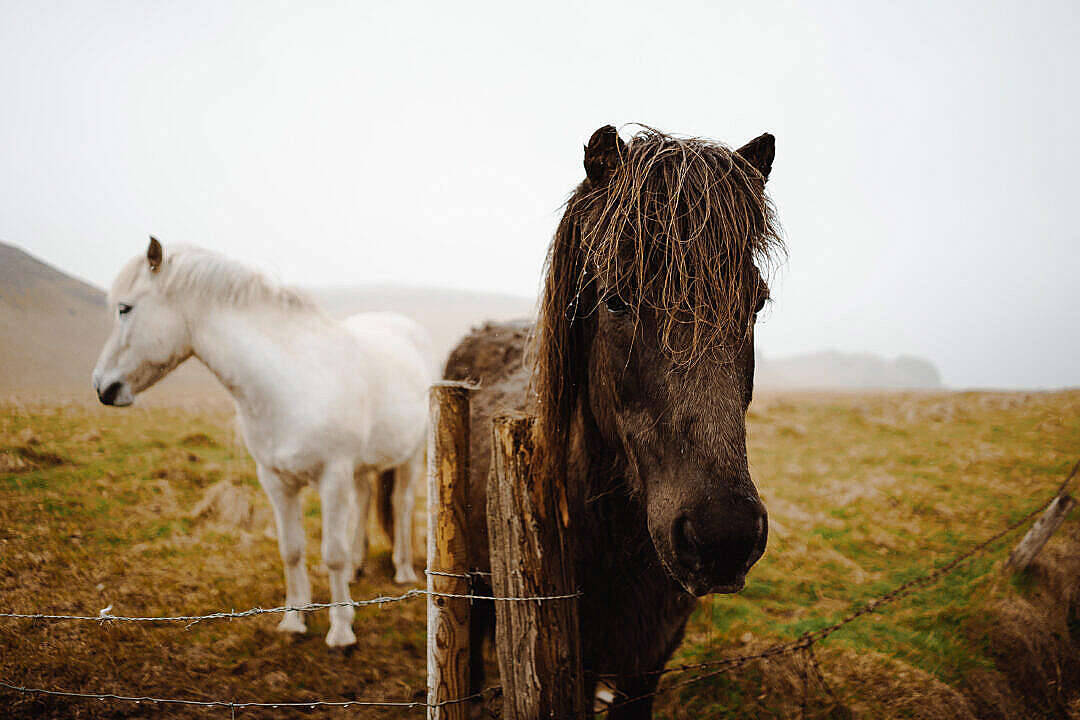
639,369
190,271
683,228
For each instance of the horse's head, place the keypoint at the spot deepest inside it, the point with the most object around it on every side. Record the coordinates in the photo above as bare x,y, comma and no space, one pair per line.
149,336
652,292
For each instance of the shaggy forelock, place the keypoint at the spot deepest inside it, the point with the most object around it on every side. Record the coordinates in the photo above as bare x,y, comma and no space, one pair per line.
684,228
190,271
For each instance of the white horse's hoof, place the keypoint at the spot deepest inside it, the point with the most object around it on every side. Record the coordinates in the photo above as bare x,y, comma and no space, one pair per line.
340,636
406,576
292,623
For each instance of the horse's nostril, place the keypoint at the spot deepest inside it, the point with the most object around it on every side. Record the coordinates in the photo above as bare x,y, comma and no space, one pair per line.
687,544
762,537
718,546
108,397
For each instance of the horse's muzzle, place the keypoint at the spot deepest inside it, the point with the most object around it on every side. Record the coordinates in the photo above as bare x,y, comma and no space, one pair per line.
714,551
116,394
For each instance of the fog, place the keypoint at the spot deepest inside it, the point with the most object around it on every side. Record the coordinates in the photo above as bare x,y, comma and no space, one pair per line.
925,169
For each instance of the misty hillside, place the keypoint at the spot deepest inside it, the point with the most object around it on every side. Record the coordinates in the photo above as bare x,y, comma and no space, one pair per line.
52,328
51,325
849,371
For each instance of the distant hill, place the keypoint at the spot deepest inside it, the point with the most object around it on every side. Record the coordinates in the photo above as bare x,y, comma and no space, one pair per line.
51,325
52,328
854,371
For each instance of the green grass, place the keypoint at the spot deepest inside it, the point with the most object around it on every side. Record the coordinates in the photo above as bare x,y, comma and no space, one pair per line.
864,492
95,510
878,490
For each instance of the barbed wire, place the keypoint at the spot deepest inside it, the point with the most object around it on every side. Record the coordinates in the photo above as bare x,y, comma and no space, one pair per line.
104,616
1065,483
469,575
235,705
813,636
805,642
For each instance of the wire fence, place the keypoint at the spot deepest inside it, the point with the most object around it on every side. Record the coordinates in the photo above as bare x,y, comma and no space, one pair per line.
243,705
105,615
804,644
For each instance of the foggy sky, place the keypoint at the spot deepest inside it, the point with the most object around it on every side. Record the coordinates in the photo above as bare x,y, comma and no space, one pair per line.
925,169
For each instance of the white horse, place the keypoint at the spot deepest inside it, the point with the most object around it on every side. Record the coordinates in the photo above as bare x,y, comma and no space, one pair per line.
319,401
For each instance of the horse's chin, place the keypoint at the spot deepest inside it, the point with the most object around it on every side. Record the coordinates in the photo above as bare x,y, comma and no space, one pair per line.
124,401
728,588
700,587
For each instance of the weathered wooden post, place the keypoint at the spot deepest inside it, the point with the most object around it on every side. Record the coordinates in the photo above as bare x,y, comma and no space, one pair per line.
530,532
1039,533
1044,527
448,618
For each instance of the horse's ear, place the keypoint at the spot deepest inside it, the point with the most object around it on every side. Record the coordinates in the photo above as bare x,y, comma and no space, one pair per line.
760,152
154,254
603,154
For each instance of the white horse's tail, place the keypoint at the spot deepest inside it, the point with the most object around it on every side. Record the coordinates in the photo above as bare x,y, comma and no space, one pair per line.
384,506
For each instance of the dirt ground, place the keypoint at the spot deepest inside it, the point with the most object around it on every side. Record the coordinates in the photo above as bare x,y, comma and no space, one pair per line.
155,510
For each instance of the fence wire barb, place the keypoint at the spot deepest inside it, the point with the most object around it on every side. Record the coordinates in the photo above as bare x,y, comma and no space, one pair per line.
463,576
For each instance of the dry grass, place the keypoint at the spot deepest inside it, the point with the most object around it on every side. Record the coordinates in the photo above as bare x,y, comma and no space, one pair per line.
156,510
867,491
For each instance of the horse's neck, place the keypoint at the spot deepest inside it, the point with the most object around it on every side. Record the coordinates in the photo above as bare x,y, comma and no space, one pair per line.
245,348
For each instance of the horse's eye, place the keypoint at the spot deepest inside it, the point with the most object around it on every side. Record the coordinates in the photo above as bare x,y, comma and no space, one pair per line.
124,308
760,304
615,305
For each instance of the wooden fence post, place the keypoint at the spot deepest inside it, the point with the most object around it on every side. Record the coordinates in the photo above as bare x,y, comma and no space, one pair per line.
1040,532
530,534
448,618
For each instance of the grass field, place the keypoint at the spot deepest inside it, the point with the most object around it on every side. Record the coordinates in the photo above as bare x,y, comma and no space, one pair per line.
157,511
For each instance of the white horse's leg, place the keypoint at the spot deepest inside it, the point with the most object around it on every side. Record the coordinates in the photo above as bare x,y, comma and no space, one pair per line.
335,497
290,531
362,481
405,479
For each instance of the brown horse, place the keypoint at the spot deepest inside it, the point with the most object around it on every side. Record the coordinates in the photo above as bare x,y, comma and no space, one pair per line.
641,373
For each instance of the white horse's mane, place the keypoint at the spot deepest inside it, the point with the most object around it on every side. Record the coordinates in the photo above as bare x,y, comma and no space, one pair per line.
191,271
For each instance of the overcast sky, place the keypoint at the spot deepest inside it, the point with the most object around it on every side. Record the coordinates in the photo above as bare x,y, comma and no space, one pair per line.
925,175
